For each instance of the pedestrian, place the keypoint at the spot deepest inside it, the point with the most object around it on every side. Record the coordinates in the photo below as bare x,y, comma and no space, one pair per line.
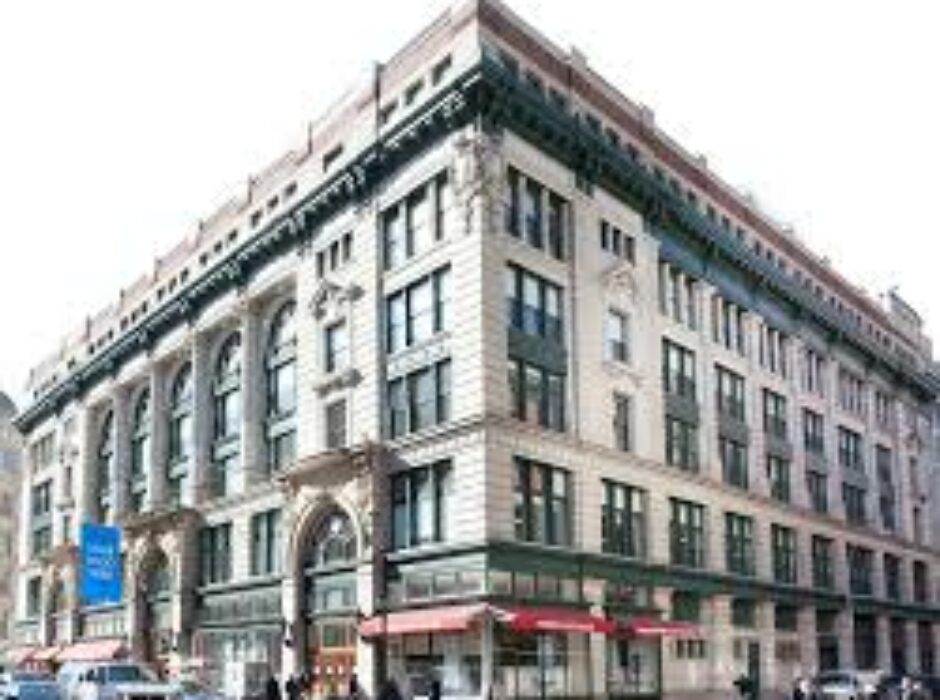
353,688
292,688
272,689
390,691
435,691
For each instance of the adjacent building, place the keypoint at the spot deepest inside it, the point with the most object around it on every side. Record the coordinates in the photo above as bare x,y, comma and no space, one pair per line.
10,446
489,381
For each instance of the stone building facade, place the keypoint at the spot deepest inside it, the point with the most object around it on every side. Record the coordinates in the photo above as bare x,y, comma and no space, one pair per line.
10,458
490,382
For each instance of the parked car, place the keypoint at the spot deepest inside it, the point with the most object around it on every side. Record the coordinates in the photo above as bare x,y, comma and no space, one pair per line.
121,681
848,685
193,690
32,688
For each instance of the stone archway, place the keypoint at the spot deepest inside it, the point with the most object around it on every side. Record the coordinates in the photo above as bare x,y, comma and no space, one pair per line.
154,640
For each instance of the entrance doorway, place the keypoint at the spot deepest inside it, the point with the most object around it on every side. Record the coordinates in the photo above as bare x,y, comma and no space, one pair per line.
329,605
156,620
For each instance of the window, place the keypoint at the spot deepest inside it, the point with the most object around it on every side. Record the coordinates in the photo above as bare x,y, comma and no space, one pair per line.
215,554
33,596
786,618
622,422
743,612
813,432
41,511
623,520
728,325
105,466
886,493
733,462
525,214
823,576
850,450
772,350
851,392
533,304
686,606
817,485
860,561
892,573
617,341
440,69
537,395
778,476
265,543
422,499
181,414
617,242
730,393
681,444
140,451
739,544
921,582
678,370
335,422
884,411
783,550
853,499
687,533
335,347
678,295
42,452
415,223
281,380
814,372
775,414
418,400
227,401
542,503
419,311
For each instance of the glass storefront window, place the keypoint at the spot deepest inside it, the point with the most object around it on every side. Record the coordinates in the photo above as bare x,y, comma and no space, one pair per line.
415,661
540,665
633,666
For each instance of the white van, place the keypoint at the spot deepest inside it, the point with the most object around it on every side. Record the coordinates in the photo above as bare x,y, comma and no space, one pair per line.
120,680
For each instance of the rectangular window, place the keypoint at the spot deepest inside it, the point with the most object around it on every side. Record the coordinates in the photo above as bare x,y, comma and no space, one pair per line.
887,505
773,346
813,432
215,554
775,414
415,223
678,370
783,544
678,295
730,393
33,596
884,411
778,476
622,422
860,560
851,392
335,347
823,576
817,485
542,503
419,311
921,582
743,612
733,462
617,242
265,543
687,533
422,500
728,325
418,400
335,424
533,304
617,343
681,444
623,520
853,499
892,573
739,544
850,450
537,395
814,372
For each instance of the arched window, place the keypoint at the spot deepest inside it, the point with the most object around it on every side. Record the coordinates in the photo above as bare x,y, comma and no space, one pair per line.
334,542
181,432
227,424
280,376
105,470
140,451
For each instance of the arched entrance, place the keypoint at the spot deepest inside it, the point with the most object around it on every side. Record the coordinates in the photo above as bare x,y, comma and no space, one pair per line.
155,601
328,603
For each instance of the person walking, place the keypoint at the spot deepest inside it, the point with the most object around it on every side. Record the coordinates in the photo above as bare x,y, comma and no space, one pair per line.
272,689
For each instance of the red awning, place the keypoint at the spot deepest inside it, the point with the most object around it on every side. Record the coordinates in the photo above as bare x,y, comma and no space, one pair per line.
654,627
455,618
21,654
549,619
95,650
46,653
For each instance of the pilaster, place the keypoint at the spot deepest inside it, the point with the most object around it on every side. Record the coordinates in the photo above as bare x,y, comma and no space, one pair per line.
120,476
156,479
202,419
253,462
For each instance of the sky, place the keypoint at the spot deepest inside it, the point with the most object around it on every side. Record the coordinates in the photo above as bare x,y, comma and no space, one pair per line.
122,124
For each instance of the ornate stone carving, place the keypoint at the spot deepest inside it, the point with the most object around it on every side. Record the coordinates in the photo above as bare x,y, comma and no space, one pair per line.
346,378
330,298
620,280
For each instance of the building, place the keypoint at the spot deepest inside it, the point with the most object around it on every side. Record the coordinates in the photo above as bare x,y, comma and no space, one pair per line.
489,379
10,446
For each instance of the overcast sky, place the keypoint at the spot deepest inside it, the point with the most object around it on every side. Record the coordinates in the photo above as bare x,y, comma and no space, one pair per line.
122,123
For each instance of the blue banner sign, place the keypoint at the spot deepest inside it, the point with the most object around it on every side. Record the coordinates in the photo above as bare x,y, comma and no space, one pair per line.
100,564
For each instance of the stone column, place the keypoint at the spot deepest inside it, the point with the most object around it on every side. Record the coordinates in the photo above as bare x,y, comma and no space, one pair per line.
722,643
845,627
85,469
911,647
202,420
806,628
120,477
159,447
769,676
253,462
883,641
